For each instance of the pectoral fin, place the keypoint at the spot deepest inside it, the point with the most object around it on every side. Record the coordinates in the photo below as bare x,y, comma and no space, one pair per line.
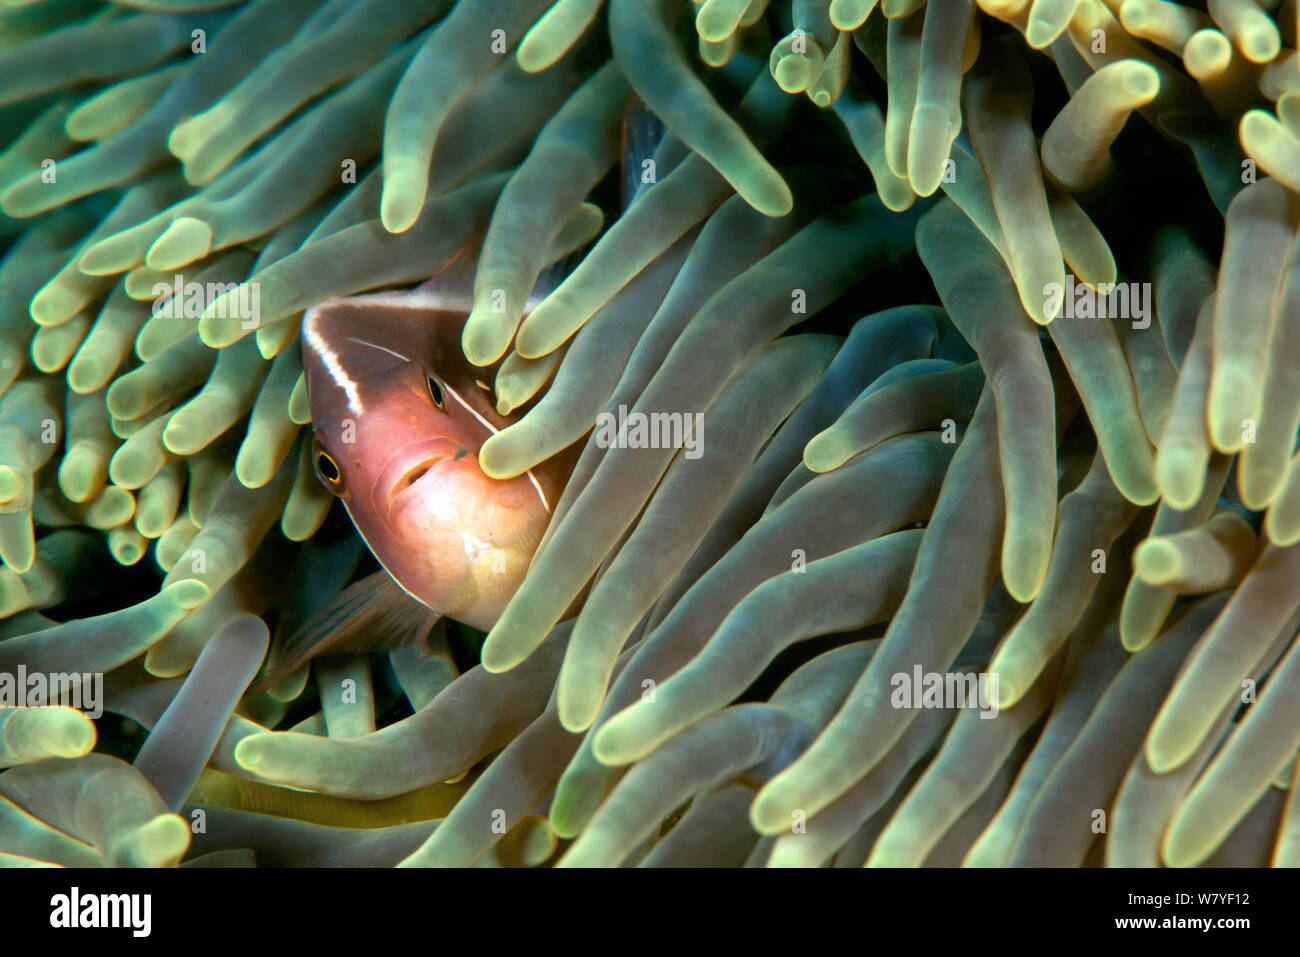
369,614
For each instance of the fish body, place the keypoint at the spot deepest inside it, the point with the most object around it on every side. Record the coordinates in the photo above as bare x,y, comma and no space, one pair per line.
399,416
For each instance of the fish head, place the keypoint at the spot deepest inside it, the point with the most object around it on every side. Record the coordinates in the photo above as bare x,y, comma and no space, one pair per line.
399,417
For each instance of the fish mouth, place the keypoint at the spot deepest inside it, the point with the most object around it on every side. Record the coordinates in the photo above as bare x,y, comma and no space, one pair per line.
414,475
405,468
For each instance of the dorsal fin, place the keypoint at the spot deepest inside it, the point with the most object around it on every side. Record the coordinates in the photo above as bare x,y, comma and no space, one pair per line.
371,613
642,132
451,288
454,280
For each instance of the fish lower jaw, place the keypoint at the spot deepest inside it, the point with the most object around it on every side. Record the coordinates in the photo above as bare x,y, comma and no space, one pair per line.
496,573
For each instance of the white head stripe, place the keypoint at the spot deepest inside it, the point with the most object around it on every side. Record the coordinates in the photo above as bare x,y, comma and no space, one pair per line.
532,478
375,345
332,365
493,430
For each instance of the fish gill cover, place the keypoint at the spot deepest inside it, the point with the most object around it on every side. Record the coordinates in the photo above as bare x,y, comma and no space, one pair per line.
930,418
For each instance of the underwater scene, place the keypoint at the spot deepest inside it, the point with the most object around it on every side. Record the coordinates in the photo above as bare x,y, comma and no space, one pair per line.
649,433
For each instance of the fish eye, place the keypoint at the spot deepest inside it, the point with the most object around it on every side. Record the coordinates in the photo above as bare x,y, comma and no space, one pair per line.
435,390
327,470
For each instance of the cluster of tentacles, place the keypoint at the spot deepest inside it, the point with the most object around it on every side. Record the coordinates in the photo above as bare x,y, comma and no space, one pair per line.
942,435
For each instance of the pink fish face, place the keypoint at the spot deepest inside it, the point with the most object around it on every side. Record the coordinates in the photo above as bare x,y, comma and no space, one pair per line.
399,418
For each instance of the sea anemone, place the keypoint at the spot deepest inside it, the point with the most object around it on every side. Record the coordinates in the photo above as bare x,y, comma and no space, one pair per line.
984,548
